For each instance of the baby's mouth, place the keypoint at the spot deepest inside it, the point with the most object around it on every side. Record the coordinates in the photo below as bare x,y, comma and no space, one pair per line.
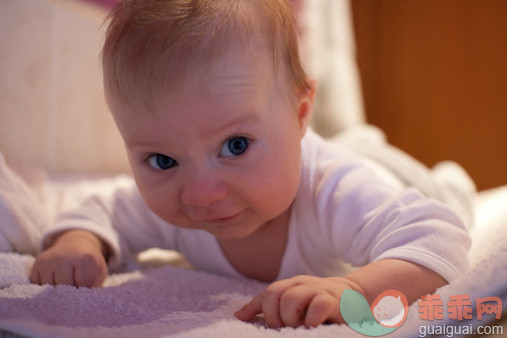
221,220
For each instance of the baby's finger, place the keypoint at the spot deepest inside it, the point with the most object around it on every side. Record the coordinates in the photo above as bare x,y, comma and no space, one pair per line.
47,276
294,303
34,275
271,303
250,310
322,308
89,271
64,275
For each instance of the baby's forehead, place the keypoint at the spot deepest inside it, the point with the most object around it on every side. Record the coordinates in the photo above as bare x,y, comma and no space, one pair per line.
241,71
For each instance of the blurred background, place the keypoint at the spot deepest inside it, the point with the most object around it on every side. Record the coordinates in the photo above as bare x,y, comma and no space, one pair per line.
434,78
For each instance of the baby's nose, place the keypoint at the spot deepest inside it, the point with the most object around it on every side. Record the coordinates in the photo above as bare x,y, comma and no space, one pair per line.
203,189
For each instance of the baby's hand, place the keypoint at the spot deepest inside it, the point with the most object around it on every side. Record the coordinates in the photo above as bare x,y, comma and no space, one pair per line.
76,258
301,300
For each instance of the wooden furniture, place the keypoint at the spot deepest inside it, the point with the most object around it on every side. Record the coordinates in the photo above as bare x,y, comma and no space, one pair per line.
434,77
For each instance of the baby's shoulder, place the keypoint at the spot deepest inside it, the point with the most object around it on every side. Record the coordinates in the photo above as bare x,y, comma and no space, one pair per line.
327,163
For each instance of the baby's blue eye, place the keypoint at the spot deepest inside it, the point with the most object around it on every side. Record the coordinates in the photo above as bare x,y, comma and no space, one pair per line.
161,162
234,147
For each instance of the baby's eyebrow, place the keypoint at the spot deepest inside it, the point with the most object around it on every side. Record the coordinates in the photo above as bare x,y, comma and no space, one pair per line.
234,122
136,143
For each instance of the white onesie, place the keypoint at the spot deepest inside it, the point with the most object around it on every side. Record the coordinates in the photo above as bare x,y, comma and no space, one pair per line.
347,211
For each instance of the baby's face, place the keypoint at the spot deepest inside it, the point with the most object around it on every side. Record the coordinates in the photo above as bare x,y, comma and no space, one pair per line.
221,151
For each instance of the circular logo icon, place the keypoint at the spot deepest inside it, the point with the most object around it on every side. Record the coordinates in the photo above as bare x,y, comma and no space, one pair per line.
386,314
390,308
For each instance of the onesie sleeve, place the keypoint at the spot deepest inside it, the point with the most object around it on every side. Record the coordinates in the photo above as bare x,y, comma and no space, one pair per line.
120,218
366,219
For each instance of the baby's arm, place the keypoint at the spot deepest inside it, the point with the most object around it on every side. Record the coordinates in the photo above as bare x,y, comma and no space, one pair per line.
114,224
77,258
310,301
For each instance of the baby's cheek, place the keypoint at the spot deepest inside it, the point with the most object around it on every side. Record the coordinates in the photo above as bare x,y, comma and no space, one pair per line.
274,199
164,207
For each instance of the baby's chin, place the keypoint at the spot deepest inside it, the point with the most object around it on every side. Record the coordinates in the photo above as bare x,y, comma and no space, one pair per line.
220,229
230,233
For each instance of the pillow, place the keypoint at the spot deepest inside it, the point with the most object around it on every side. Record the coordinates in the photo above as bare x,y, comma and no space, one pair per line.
328,52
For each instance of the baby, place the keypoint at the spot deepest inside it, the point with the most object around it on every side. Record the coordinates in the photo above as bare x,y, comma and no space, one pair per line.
213,106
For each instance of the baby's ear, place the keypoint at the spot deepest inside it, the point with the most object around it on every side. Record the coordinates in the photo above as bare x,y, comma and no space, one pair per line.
305,105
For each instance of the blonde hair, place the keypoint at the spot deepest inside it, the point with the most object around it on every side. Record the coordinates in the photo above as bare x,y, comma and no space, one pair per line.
149,43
